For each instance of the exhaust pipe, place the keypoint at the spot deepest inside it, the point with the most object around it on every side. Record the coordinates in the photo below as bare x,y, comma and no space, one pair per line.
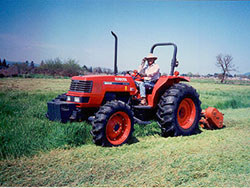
115,58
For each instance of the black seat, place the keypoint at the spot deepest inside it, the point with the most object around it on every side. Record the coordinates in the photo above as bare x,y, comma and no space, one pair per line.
149,90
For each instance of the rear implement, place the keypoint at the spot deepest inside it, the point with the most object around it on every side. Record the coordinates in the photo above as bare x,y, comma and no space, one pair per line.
212,119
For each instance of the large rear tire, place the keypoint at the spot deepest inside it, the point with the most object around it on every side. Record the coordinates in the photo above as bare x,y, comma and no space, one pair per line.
113,124
179,111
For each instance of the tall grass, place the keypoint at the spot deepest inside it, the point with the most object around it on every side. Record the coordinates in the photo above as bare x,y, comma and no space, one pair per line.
25,130
223,96
225,99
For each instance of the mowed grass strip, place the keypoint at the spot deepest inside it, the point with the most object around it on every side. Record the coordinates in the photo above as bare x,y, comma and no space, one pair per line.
35,85
212,158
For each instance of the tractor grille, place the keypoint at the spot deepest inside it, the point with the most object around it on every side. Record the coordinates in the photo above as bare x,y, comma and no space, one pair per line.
81,86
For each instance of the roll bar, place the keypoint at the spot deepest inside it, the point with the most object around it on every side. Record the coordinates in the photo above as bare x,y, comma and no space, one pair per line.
173,62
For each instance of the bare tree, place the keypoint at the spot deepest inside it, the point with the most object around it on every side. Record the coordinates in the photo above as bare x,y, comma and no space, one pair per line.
225,63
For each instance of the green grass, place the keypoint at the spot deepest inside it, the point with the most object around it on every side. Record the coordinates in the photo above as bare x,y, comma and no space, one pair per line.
25,130
37,152
223,96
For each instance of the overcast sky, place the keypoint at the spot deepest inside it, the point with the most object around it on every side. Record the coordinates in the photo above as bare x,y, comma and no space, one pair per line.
80,29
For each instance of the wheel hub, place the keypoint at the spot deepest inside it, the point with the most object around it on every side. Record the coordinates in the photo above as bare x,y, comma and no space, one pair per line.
186,113
118,128
182,112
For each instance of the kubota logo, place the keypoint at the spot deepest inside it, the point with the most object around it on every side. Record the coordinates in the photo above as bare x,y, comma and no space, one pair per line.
121,79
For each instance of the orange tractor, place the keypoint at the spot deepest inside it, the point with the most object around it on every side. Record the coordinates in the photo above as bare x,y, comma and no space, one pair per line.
111,104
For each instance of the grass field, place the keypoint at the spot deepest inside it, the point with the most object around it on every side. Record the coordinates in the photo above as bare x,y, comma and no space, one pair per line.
37,152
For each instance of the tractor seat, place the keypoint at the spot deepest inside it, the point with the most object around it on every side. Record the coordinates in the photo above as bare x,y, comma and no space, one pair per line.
149,89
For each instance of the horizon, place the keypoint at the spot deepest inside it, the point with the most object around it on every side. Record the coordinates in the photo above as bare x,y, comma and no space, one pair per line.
183,73
80,30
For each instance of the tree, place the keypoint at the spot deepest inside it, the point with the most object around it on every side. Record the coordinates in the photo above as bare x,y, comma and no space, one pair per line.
71,68
90,69
42,63
97,70
32,65
84,69
0,62
190,74
4,64
225,63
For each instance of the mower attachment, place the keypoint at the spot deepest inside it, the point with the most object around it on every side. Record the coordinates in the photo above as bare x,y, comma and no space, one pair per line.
212,119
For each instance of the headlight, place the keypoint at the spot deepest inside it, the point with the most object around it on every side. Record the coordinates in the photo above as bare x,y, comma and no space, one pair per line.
68,98
77,99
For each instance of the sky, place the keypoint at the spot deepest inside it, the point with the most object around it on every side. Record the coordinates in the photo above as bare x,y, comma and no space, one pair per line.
37,30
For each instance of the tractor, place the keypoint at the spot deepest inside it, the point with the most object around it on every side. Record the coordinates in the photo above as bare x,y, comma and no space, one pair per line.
111,104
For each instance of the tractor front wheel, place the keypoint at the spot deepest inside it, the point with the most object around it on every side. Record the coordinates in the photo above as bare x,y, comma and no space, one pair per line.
113,124
179,111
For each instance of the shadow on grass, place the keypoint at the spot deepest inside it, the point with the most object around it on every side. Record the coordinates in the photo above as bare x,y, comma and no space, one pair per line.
133,140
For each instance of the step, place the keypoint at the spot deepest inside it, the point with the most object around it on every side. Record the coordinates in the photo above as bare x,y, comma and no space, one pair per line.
143,107
141,122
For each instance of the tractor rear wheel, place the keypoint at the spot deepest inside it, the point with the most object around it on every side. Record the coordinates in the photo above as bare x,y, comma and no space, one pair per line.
113,124
179,111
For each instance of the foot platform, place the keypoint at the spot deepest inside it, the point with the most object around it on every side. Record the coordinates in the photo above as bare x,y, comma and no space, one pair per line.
143,107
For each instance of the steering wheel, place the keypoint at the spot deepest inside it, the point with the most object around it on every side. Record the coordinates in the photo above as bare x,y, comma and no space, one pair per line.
135,75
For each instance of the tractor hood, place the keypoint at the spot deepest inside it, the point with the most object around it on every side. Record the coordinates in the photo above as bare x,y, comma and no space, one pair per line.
96,86
99,81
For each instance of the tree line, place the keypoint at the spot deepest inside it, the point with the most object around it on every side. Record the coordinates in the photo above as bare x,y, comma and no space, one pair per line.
3,64
50,67
70,67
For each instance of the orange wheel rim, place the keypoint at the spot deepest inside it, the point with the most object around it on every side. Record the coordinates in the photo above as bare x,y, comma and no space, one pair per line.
186,113
118,128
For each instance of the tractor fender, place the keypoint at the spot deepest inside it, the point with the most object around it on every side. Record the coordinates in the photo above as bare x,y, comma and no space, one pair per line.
161,86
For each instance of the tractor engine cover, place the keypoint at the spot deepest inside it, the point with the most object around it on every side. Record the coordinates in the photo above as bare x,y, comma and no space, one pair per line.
212,119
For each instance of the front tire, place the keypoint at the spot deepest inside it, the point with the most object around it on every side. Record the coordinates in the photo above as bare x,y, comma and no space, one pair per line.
113,124
179,111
